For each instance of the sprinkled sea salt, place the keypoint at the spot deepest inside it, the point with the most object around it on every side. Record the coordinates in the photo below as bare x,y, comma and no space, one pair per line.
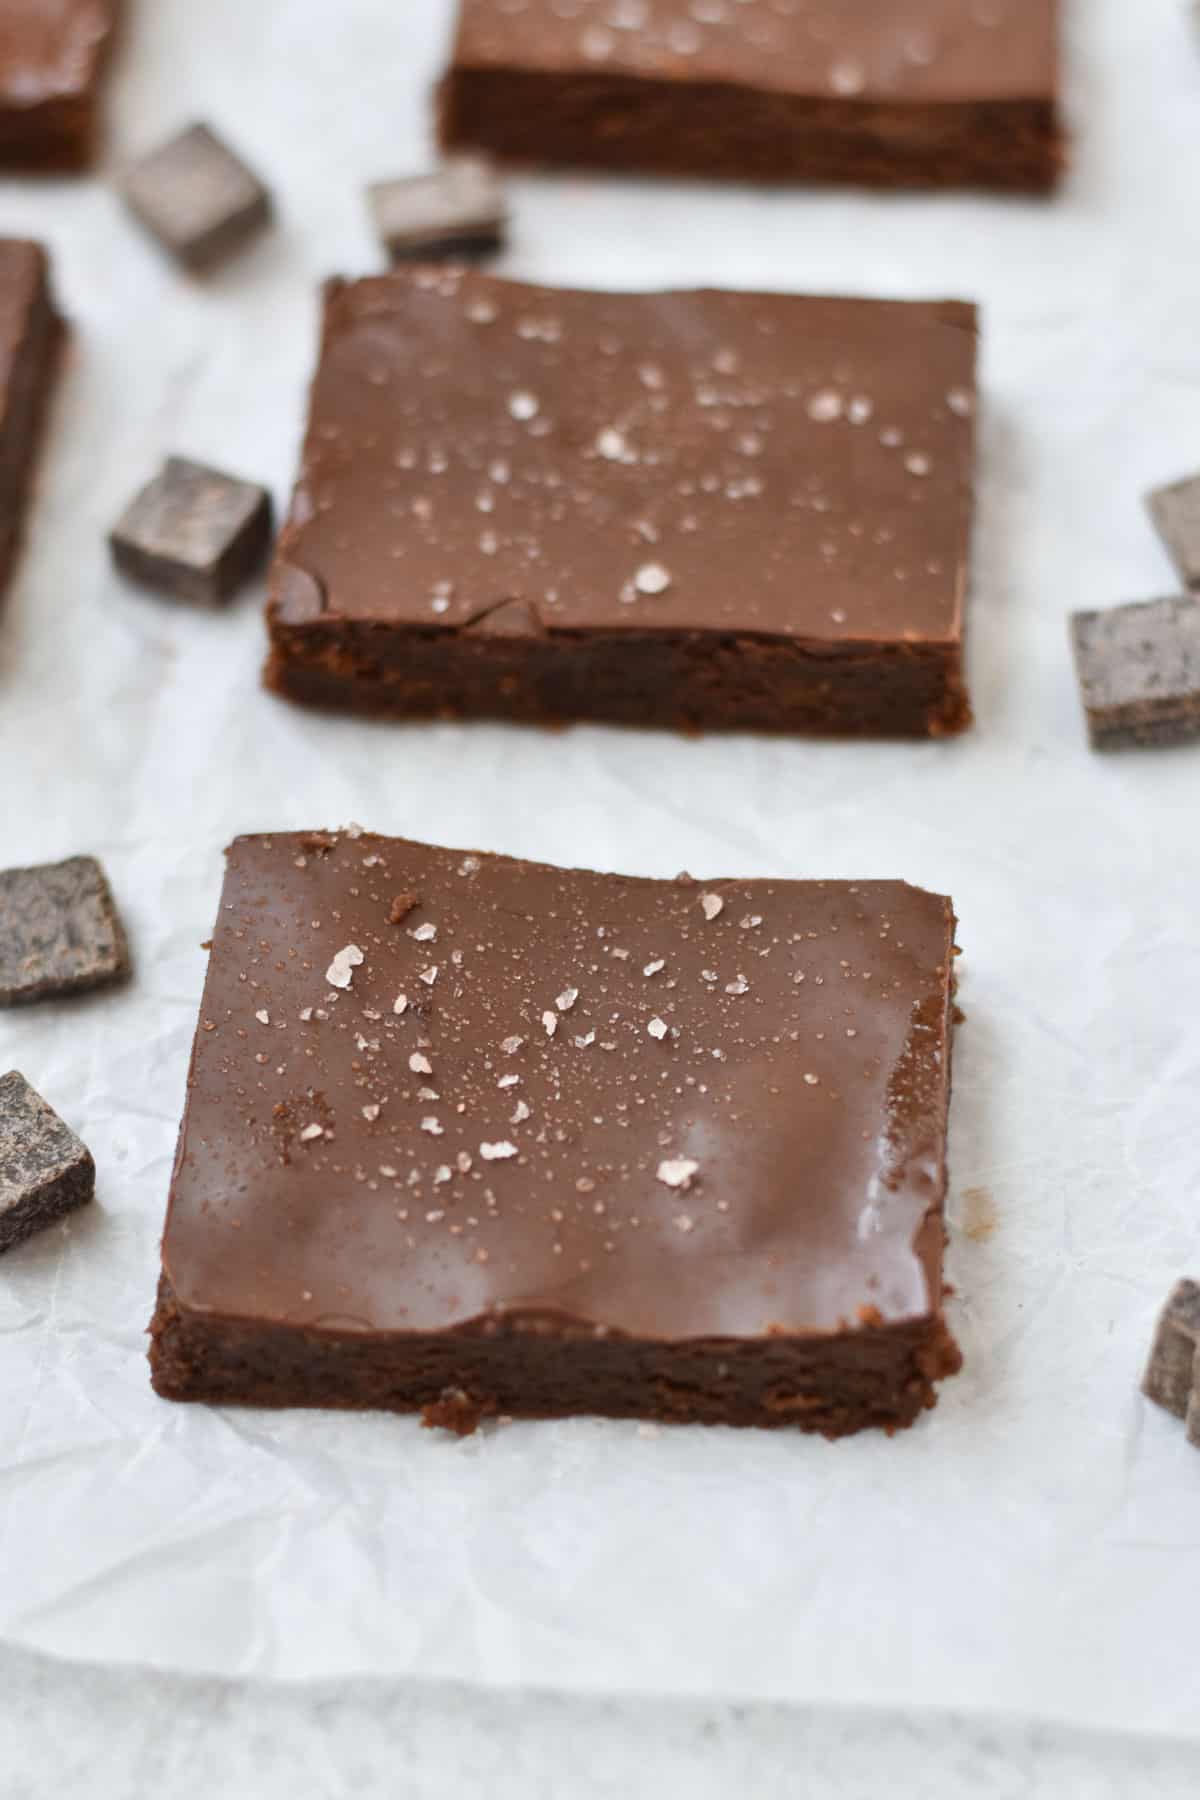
523,405
420,1065
497,1152
677,1172
340,972
310,1132
657,1027
825,406
713,906
611,445
652,578
550,1021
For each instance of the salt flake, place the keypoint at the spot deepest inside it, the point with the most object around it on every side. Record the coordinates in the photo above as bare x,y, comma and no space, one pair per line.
340,972
677,1172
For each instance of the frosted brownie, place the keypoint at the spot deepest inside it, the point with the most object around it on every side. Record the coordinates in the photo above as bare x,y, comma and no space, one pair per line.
700,510
467,1135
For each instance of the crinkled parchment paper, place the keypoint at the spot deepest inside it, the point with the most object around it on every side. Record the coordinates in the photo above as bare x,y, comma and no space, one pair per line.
1031,1545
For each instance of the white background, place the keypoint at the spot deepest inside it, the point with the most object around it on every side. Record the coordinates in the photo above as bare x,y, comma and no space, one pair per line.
1031,1547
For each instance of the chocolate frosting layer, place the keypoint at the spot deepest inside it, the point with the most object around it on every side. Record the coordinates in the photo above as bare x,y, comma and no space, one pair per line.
923,50
51,48
739,463
430,1085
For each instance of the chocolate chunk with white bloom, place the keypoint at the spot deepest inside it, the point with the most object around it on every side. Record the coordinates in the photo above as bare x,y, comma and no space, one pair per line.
59,931
194,533
1172,1378
45,1172
197,198
1176,513
1139,672
458,210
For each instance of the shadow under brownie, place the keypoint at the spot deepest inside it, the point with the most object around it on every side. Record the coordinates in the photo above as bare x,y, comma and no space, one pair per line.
701,510
469,1135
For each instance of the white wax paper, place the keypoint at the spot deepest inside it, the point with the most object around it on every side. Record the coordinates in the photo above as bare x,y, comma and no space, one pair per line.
1033,1545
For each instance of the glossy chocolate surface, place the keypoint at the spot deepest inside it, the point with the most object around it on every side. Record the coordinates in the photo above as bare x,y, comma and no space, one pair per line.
430,1085
705,461
51,49
919,50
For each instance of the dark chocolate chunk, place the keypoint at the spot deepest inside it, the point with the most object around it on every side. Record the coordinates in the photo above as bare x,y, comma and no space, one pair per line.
52,56
59,931
1139,672
705,510
30,335
197,197
194,533
1172,1378
1176,512
45,1172
931,93
459,210
562,1142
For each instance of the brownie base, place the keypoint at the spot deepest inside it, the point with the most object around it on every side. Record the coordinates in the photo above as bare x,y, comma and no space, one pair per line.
688,681
30,386
718,130
877,1375
57,137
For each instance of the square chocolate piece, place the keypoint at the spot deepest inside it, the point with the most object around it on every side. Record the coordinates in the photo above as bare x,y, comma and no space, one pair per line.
1176,513
197,198
59,932
45,1172
52,56
30,338
1172,1378
1139,672
468,1135
880,93
459,210
194,533
700,510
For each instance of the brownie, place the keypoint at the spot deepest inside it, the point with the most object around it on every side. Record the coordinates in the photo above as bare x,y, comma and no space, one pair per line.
470,1135
30,338
880,93
59,932
52,55
1139,672
45,1172
692,509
